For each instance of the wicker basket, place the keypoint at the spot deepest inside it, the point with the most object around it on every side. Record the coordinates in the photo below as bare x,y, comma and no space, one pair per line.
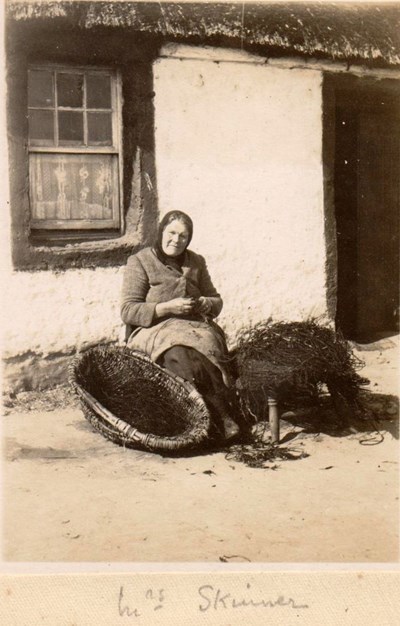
135,403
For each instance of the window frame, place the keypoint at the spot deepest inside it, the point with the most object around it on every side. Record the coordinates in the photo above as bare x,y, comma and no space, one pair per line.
57,226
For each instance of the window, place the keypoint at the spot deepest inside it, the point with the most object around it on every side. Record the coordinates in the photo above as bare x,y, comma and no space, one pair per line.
74,149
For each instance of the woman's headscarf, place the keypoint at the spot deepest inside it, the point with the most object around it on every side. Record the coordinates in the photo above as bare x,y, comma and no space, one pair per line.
173,261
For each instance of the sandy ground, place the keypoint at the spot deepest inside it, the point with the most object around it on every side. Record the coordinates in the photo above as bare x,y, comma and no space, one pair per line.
70,495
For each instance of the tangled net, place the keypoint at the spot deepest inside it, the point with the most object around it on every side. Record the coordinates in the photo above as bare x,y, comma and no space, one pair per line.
260,455
291,362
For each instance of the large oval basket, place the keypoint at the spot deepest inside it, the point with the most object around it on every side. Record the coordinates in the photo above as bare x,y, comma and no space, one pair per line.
134,402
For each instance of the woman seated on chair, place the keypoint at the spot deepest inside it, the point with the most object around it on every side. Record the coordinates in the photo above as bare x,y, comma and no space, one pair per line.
169,302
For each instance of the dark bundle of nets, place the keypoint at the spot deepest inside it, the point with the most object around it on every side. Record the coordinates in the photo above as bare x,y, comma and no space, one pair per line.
294,362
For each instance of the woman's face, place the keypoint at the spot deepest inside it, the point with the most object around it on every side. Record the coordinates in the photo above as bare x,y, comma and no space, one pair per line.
174,238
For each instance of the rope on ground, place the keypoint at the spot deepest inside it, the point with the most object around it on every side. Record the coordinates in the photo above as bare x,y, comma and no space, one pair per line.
375,439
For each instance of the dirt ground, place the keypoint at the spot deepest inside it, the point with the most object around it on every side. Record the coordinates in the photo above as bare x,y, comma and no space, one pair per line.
70,495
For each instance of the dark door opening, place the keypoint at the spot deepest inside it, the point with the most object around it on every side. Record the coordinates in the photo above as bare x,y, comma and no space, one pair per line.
367,202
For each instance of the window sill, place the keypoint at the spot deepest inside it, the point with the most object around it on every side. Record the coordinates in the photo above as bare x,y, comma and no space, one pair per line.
61,255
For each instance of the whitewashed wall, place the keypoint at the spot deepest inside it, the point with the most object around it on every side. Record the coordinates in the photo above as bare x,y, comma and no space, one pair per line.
239,147
51,312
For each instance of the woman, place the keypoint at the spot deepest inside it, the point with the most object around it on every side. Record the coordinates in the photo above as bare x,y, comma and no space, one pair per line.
169,299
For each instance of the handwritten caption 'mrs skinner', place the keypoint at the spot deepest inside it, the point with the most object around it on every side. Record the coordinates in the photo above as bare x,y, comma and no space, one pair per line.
208,598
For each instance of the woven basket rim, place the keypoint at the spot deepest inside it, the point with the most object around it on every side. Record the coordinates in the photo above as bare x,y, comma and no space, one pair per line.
120,431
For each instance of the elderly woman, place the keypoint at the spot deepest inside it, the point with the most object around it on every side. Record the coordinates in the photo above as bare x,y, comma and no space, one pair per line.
169,300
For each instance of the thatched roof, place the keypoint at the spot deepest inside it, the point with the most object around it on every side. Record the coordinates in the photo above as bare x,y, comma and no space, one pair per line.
357,33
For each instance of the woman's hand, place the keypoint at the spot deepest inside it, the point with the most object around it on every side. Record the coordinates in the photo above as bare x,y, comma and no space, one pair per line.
203,305
177,306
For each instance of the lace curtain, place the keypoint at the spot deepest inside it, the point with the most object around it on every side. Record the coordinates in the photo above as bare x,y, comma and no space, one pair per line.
73,186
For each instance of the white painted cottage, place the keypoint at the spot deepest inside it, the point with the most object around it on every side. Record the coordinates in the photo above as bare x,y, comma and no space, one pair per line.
275,126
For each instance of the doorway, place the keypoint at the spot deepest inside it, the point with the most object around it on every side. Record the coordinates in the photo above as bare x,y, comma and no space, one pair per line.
366,179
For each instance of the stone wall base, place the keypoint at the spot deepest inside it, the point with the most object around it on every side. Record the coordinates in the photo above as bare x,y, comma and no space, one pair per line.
35,372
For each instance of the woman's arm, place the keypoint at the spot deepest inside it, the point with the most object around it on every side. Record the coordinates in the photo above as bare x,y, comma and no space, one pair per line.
134,308
211,296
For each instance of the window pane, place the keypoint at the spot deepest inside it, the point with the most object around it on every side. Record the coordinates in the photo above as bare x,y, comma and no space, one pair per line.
70,90
40,88
98,91
41,125
70,127
73,186
99,129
